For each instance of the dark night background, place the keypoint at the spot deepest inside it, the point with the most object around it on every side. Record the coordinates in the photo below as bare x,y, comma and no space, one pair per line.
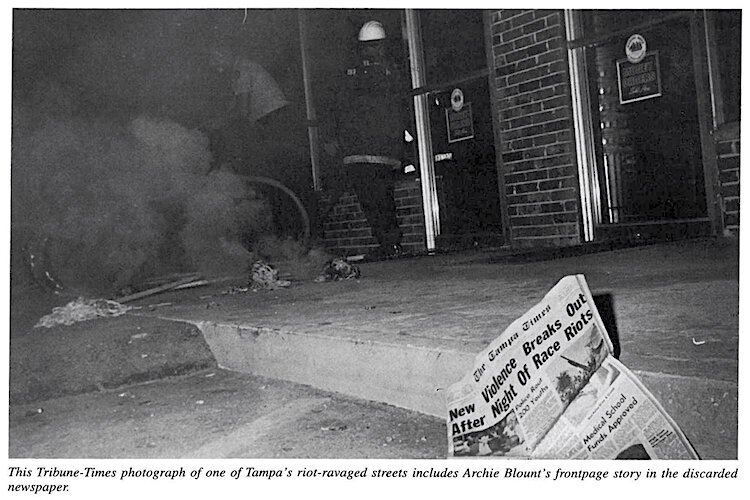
112,118
126,62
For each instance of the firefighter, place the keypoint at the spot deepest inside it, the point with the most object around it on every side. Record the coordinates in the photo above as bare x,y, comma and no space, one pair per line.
371,118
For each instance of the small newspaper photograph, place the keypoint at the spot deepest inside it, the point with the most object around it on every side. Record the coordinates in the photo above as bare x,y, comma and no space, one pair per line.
550,387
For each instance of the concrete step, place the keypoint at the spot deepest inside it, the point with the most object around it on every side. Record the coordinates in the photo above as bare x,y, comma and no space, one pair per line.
411,327
410,376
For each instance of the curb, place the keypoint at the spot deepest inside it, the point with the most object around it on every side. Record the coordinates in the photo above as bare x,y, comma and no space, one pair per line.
411,377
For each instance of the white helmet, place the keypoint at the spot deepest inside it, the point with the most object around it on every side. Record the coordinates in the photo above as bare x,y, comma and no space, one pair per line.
371,31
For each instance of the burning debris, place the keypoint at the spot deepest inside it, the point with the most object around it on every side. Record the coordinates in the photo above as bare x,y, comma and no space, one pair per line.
264,276
82,309
338,269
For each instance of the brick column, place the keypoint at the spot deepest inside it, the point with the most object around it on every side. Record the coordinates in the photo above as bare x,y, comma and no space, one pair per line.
536,127
347,232
728,160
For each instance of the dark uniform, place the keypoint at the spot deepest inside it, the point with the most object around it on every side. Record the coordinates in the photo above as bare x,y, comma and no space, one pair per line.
371,134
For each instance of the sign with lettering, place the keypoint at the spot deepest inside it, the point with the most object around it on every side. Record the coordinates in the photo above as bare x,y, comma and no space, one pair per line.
460,124
639,81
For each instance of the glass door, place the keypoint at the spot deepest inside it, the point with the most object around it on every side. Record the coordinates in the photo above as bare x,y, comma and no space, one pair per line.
647,133
463,141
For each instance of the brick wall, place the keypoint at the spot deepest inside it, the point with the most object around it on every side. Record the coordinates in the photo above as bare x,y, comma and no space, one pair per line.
536,127
347,232
728,153
410,214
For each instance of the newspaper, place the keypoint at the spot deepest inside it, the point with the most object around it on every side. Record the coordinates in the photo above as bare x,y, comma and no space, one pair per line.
550,387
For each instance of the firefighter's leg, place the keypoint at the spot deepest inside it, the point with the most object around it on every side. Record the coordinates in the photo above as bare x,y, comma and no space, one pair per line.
374,187
389,228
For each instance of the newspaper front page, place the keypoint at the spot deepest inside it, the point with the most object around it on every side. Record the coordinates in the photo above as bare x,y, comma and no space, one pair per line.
549,387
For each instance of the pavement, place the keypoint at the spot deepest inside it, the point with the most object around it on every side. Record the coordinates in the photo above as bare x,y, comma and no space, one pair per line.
387,343
216,413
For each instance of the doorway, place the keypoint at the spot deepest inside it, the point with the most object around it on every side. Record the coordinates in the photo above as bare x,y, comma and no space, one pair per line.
461,126
647,132
461,141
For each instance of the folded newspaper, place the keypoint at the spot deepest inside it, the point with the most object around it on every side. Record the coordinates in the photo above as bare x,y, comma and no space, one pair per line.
550,387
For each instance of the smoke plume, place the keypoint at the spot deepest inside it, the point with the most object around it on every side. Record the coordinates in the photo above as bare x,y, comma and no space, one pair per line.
115,202
109,176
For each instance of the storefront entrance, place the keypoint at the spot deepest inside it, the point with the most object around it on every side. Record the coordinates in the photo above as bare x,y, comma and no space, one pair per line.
461,128
449,158
648,180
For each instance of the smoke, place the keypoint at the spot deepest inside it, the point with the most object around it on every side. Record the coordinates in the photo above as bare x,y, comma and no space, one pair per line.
109,176
116,202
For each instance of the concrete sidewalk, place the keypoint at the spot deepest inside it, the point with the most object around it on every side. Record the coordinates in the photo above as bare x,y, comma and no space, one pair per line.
214,414
412,326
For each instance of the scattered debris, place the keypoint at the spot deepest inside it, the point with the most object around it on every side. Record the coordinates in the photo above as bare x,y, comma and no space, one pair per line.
264,276
158,281
338,269
192,284
335,427
160,289
698,342
160,304
82,309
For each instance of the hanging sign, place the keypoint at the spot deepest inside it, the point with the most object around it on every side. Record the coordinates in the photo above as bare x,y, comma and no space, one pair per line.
460,124
641,80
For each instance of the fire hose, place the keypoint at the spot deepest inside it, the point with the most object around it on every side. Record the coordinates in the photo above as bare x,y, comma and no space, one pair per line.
304,217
